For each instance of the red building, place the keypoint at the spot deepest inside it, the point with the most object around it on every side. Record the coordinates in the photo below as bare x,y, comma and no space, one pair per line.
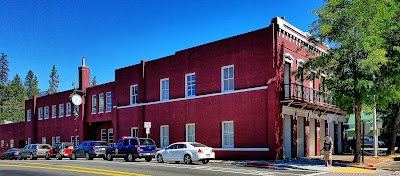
236,95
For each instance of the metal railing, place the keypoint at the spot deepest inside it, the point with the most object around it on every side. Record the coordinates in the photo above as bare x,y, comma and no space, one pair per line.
294,91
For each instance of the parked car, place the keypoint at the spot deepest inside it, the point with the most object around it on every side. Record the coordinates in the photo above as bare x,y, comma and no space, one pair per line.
186,152
60,150
34,151
10,154
132,148
369,142
90,150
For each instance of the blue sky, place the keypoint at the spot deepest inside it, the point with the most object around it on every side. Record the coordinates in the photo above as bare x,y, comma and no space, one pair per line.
35,34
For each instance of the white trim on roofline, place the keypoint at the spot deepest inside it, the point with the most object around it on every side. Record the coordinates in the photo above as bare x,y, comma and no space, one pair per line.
194,97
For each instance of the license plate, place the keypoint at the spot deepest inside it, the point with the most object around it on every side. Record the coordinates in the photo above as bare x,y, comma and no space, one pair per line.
147,154
102,149
208,155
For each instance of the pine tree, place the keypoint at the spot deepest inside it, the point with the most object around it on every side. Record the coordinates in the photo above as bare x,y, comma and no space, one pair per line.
53,82
13,106
3,70
31,85
94,82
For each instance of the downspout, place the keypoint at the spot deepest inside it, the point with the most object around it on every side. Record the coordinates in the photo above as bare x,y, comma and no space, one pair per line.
143,97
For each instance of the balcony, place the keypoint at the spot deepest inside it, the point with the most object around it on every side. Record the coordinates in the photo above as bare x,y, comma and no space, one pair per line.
303,97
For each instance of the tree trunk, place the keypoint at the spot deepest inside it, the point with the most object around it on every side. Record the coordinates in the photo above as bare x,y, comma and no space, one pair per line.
393,132
357,152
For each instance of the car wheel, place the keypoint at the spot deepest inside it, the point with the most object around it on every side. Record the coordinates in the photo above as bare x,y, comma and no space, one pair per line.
2,157
20,157
47,157
160,158
187,159
205,161
87,156
58,156
148,159
73,156
129,157
109,157
31,157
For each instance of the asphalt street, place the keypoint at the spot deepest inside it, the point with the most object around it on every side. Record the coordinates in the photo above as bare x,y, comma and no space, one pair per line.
137,168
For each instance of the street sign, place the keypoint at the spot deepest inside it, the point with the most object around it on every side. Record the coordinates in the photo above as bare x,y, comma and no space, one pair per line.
367,128
147,124
147,130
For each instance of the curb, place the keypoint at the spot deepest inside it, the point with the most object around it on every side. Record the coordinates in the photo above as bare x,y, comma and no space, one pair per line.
370,167
253,164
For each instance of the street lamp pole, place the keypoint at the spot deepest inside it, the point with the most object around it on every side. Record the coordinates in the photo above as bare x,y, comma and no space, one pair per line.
375,131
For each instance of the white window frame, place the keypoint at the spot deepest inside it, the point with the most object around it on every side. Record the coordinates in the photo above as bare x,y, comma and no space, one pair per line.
40,113
110,138
134,94
165,90
53,140
68,109
43,140
223,135
186,85
94,104
222,78
53,111
77,140
58,139
132,131
29,141
101,103
11,143
103,133
28,115
108,101
61,110
164,137
187,132
46,112
2,143
73,140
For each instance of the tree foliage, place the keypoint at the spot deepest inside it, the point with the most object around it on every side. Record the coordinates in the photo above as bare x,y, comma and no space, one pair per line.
358,52
3,70
53,82
31,85
94,81
13,106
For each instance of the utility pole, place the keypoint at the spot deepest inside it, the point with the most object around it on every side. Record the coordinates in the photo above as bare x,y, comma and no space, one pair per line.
375,131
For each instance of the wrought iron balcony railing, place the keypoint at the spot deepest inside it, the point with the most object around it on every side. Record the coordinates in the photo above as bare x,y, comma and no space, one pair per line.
299,92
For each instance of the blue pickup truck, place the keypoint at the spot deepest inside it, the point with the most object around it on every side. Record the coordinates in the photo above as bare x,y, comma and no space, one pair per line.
132,148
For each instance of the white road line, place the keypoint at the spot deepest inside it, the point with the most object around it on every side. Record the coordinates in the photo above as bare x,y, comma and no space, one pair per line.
319,173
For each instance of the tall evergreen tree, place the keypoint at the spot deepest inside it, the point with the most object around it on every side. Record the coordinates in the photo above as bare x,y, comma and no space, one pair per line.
13,106
3,70
94,82
53,82
31,85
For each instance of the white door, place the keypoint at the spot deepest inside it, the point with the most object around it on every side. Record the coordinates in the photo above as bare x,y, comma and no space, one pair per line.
286,80
287,136
312,137
300,136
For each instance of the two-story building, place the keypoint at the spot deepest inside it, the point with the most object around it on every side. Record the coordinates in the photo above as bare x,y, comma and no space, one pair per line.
237,95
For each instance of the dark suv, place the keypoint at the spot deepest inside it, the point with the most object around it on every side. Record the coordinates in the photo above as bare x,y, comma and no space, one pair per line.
90,150
132,148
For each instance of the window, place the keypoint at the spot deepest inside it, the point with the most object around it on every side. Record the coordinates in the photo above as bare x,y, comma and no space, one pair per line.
58,139
101,103
108,102
40,113
227,134
164,89
103,135
126,142
53,111
11,143
134,132
61,110
28,115
46,112
43,140
110,136
190,86
2,143
53,140
77,140
164,136
29,141
134,94
72,140
190,132
67,109
227,74
94,105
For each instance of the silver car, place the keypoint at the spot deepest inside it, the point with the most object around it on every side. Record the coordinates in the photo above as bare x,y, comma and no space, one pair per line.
34,151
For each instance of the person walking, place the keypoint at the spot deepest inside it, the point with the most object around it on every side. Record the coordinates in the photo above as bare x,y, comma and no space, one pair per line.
328,145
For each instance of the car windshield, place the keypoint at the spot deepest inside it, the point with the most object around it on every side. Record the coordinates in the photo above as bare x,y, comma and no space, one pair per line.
146,142
197,145
100,143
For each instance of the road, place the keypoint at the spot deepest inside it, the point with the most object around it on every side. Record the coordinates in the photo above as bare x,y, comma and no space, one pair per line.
139,168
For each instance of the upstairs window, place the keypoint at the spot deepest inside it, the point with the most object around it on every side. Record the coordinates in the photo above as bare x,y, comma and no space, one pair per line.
134,94
67,109
227,75
164,89
61,110
94,104
190,86
53,111
28,115
108,102
40,113
101,103
46,112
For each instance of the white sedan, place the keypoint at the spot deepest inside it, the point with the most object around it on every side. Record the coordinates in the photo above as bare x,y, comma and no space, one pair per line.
186,152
